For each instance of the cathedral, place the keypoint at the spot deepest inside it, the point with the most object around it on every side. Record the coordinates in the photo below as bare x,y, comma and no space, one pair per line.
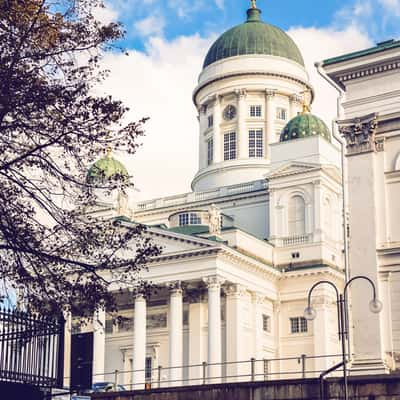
264,222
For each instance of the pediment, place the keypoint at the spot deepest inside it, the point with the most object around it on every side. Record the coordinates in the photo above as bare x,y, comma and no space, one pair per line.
172,242
292,168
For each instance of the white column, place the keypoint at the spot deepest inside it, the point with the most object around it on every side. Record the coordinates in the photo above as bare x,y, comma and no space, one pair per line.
235,350
217,138
214,328
322,330
175,336
242,134
139,343
197,351
67,348
99,345
258,301
269,121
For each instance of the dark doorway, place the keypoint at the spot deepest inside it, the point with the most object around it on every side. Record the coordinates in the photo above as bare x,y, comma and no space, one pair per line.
81,361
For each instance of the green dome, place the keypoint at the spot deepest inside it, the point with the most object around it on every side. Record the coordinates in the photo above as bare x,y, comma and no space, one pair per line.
253,37
304,125
107,168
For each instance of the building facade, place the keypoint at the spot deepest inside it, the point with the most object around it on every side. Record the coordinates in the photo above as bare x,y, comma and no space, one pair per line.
261,226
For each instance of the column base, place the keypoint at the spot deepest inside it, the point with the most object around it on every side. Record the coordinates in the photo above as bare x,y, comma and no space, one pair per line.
368,367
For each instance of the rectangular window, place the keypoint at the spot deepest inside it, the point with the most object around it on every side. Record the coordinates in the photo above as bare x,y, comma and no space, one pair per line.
148,368
230,146
256,143
281,113
298,325
183,219
210,151
266,323
210,120
195,219
255,111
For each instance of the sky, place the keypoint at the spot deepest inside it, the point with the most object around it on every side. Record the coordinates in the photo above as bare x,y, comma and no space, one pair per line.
166,42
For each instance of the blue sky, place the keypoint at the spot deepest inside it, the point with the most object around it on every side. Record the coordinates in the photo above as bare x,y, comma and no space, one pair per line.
380,19
167,41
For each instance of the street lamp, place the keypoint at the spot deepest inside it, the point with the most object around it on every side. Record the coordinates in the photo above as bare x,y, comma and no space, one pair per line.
375,305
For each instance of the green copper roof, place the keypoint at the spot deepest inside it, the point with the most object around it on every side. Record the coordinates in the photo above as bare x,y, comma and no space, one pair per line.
305,125
107,168
253,37
190,229
382,46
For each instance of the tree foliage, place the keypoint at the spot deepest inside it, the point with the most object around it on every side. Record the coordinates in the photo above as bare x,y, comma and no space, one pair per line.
52,127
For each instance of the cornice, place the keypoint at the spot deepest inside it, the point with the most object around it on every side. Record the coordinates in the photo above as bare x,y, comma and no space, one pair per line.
255,73
369,71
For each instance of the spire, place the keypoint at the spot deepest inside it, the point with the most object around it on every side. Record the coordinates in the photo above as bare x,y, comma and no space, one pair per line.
253,3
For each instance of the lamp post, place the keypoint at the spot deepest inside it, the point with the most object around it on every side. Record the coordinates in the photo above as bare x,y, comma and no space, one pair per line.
342,312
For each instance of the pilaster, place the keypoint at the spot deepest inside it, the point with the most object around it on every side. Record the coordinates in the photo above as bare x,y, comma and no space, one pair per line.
217,139
242,134
269,120
360,136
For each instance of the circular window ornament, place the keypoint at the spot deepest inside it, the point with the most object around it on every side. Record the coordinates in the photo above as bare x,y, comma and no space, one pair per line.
229,112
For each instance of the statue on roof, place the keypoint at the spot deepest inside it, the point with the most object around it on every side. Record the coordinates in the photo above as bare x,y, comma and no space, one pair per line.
214,215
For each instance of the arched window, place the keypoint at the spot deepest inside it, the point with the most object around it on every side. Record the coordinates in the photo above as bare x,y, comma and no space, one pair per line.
297,216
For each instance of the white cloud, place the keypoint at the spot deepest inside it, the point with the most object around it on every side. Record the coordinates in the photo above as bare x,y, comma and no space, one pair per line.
391,6
318,44
159,84
105,14
150,26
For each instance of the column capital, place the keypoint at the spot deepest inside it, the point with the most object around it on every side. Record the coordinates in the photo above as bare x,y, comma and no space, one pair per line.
235,290
270,93
213,282
139,297
295,98
241,93
359,134
175,288
258,298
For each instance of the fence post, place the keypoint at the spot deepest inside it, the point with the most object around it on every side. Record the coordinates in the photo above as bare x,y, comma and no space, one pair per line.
204,372
159,376
60,351
303,365
253,368
115,379
266,369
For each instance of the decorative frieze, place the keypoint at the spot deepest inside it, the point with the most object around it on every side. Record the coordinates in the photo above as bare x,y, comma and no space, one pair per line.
366,72
359,134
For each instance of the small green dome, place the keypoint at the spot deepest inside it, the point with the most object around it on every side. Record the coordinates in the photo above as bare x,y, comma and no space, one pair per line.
253,37
107,168
304,125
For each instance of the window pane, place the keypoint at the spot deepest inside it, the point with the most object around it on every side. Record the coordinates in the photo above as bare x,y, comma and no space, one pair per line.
294,325
183,219
230,146
256,144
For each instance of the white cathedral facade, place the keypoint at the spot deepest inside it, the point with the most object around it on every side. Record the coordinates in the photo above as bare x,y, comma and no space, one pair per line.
263,223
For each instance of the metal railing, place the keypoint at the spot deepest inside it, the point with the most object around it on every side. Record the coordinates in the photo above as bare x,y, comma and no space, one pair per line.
31,349
252,370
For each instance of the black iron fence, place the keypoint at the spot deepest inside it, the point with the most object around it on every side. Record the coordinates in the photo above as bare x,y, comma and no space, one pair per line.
31,349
